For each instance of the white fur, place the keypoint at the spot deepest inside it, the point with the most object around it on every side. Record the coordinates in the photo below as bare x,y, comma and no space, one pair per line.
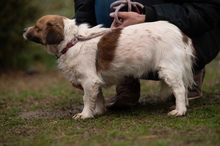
156,46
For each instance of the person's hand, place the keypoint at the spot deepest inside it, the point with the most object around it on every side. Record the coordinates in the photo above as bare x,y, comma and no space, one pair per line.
127,18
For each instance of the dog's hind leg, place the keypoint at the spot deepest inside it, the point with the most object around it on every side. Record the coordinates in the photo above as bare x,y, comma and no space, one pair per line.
174,81
91,91
179,93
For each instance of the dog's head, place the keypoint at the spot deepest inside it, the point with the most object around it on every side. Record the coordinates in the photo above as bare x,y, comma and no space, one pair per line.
48,30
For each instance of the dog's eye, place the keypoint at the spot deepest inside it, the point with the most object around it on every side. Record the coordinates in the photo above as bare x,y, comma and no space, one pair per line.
37,28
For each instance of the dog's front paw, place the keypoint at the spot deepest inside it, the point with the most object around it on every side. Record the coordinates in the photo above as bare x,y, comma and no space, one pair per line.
82,116
177,113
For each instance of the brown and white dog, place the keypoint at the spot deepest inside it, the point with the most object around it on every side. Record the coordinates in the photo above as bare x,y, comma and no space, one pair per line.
107,60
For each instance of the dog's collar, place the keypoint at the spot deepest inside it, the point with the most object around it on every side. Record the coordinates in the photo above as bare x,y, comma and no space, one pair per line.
69,45
80,38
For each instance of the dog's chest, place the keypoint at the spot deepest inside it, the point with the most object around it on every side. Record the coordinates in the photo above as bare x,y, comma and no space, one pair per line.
70,70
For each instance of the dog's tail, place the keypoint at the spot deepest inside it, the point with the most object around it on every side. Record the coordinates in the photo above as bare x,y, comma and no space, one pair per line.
188,65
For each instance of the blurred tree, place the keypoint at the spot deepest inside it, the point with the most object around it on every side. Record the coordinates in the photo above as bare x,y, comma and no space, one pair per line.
14,15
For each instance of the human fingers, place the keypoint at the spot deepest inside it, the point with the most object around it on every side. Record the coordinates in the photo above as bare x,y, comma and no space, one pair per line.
115,25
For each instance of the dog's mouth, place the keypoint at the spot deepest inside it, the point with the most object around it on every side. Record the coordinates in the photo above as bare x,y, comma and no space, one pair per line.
34,39
30,37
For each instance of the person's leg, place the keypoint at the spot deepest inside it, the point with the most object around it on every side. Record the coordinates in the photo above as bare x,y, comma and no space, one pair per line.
127,94
102,11
196,91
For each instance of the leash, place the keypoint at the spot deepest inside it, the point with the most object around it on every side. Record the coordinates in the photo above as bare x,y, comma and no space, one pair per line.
117,5
78,38
93,35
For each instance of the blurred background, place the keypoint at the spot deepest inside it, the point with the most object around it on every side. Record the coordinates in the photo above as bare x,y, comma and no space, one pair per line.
18,54
15,52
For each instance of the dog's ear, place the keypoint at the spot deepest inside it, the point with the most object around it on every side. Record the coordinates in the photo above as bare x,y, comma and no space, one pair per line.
54,32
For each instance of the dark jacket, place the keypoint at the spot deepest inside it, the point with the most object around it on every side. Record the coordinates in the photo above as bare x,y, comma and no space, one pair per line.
199,19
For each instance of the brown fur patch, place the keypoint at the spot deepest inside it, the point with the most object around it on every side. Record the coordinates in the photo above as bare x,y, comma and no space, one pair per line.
106,49
54,31
185,38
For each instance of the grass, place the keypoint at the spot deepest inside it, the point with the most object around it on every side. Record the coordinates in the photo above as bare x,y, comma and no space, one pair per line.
36,109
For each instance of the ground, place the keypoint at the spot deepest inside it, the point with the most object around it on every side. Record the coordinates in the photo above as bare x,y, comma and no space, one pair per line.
36,108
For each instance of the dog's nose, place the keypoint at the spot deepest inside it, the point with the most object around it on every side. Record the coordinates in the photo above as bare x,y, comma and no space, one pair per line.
24,30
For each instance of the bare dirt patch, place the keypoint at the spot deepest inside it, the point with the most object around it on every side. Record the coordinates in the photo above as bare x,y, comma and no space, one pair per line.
58,113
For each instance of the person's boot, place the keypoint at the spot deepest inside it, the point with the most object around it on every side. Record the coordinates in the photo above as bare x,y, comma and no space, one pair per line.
196,91
127,95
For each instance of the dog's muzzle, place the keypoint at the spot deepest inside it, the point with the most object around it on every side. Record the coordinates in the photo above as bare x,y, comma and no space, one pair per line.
29,36
25,33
